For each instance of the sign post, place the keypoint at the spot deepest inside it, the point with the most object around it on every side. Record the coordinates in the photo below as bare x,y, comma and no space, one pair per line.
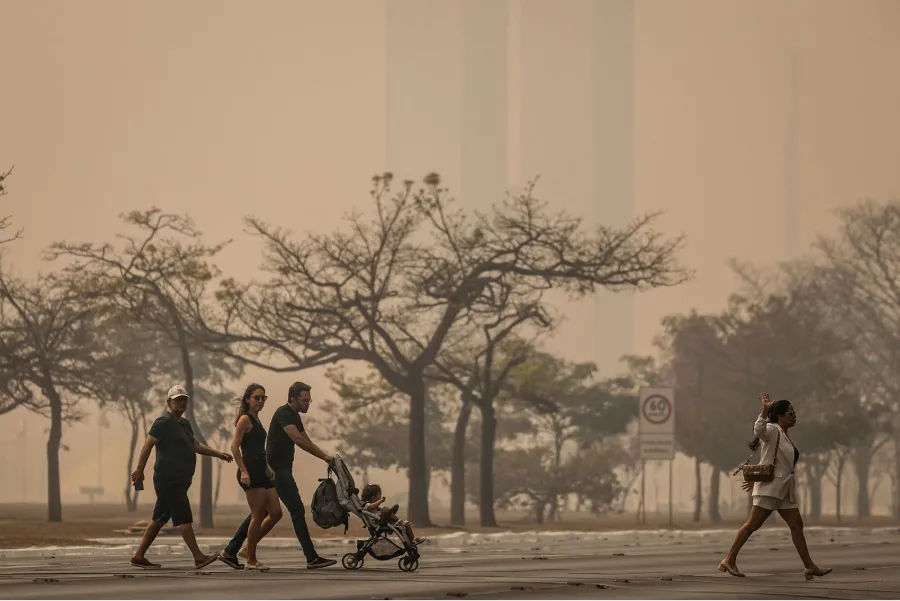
656,433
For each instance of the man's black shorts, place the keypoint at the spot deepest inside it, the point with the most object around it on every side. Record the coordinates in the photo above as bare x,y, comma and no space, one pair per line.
172,502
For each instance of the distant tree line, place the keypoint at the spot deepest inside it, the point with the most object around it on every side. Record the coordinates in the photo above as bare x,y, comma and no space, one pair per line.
445,307
822,331
446,312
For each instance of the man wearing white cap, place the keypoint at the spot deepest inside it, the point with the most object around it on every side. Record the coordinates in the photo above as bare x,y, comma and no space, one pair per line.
176,460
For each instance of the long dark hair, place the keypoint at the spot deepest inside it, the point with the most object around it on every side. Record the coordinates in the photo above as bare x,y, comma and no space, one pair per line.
778,409
243,403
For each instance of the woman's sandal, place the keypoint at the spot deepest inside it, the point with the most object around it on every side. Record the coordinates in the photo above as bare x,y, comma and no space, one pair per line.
199,565
816,572
724,566
256,566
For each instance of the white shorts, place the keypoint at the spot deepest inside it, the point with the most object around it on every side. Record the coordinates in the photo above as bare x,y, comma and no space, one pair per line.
773,503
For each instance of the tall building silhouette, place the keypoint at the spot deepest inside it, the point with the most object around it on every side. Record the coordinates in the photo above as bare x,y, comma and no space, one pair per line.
793,239
576,98
493,93
446,95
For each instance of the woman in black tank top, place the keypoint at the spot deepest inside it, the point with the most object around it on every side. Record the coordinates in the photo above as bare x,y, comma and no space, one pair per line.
254,475
253,452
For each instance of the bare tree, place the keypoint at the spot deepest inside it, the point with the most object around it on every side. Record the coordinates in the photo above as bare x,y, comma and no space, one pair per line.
835,474
883,466
49,344
479,367
370,417
130,365
862,277
571,408
390,291
159,276
6,221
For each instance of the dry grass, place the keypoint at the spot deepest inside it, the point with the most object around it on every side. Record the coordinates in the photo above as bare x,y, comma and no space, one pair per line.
24,525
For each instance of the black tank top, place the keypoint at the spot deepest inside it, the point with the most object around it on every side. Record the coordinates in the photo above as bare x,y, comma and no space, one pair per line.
253,447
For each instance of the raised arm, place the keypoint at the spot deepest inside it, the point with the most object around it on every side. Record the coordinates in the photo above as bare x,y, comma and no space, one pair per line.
301,439
761,427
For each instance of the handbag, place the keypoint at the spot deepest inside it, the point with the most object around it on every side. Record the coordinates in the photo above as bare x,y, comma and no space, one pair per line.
760,472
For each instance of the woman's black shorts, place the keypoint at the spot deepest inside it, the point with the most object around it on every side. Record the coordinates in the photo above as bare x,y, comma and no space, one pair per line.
258,478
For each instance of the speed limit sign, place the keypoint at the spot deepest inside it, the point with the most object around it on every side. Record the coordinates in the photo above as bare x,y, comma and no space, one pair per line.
657,411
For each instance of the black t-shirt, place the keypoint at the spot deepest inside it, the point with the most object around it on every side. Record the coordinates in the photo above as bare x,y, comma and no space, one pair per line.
176,459
279,446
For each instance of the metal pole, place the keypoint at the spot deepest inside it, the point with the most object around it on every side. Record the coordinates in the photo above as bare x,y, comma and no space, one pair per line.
671,509
643,491
24,458
99,450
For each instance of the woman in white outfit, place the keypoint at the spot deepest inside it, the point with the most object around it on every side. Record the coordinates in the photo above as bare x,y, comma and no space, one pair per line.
771,429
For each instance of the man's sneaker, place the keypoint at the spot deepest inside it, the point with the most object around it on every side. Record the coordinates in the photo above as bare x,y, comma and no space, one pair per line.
231,562
145,564
320,562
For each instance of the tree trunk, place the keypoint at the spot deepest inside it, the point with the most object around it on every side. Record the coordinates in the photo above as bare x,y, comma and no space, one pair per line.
219,466
131,495
897,478
458,467
837,492
815,495
206,497
803,489
553,510
54,442
698,492
714,481
486,467
418,464
862,460
206,509
539,508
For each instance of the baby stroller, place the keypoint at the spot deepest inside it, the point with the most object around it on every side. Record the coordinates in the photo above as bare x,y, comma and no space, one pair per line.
386,541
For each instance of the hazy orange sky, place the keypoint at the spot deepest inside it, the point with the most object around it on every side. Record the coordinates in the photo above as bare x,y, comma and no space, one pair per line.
284,109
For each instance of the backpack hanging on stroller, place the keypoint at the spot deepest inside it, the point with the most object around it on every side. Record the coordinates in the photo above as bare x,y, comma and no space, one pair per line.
386,541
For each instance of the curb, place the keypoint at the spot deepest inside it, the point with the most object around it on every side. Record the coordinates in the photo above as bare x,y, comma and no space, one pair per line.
124,546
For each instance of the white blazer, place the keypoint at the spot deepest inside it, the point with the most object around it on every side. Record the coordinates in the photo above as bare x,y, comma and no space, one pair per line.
782,485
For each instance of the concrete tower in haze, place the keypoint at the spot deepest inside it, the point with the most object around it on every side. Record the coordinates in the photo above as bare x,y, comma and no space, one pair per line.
792,234
573,91
447,95
493,93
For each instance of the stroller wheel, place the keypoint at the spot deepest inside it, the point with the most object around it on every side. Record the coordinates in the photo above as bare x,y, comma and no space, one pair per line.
408,564
351,562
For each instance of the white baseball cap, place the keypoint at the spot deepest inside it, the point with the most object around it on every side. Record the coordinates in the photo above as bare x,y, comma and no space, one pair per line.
177,391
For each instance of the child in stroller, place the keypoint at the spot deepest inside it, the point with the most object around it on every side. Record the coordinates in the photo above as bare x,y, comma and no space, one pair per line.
387,540
372,498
